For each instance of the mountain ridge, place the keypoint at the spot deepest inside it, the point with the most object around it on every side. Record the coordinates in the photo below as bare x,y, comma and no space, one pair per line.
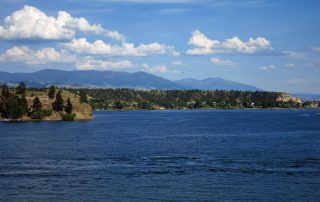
216,83
117,79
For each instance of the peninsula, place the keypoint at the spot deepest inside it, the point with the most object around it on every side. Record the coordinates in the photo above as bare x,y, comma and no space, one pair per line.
51,104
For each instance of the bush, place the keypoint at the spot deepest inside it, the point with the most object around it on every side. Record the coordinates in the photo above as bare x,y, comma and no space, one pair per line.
40,114
37,115
46,112
68,117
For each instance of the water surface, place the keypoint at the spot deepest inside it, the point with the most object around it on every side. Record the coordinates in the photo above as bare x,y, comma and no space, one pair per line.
201,155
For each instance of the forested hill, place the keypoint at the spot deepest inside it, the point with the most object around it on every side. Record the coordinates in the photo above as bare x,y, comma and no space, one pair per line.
21,103
187,99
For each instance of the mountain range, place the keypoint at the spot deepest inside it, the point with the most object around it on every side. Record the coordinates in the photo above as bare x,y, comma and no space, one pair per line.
115,79
216,83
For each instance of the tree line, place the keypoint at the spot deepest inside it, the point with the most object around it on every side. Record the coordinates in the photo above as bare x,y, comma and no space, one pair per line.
183,99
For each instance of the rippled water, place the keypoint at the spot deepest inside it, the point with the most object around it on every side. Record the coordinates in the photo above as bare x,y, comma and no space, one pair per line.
221,155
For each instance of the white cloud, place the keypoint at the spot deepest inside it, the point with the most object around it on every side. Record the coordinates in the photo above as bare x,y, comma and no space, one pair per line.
202,45
177,62
99,47
294,81
158,68
290,65
316,49
31,23
297,55
92,64
218,61
267,68
24,54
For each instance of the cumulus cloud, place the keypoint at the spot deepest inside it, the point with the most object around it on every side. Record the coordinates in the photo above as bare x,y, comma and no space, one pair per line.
268,67
218,61
99,47
24,54
92,64
32,23
202,45
158,68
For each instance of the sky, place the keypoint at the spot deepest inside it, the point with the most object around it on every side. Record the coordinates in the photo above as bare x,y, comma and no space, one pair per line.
272,44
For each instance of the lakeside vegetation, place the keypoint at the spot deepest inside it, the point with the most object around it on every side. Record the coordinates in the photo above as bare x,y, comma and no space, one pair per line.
121,99
22,103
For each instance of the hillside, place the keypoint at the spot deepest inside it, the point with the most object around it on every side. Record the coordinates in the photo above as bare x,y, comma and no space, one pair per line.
307,96
188,99
216,84
82,110
21,106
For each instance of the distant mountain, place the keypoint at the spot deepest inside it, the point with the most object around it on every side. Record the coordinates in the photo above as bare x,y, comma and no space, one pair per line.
115,79
216,83
307,96
90,79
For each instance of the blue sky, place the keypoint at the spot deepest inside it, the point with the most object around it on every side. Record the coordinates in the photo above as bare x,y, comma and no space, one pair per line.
273,45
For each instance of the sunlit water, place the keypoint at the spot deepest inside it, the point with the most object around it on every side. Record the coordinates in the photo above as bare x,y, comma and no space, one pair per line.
219,155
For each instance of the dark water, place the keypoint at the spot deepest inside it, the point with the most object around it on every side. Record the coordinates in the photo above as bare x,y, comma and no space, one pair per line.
223,155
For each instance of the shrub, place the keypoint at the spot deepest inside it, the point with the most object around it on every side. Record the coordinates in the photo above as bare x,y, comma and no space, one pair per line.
37,115
68,117
46,112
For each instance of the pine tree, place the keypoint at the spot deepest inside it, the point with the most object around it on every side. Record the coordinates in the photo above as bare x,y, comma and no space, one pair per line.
5,91
68,107
83,97
13,109
58,104
37,105
21,89
22,101
52,92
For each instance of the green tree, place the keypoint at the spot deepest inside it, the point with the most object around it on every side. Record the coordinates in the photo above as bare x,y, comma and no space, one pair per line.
119,105
68,107
5,91
37,105
58,104
13,109
22,101
83,97
52,92
21,89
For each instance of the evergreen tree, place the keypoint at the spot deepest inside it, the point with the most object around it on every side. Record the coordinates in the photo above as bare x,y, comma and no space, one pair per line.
21,89
37,105
5,91
83,97
58,104
22,101
52,92
13,109
68,107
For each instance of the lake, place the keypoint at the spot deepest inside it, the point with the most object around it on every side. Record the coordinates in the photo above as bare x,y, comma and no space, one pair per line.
200,155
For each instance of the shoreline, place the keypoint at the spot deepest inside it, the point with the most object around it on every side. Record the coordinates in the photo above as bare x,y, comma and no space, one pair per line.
209,109
109,110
